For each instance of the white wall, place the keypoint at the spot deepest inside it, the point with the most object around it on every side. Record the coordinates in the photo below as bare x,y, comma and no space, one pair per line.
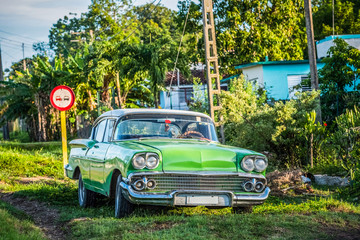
255,72
323,46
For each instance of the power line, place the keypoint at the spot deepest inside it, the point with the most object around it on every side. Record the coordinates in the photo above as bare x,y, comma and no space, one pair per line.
11,46
27,46
11,40
22,36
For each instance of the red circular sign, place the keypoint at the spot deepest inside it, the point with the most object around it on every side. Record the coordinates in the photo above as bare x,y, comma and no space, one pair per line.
62,98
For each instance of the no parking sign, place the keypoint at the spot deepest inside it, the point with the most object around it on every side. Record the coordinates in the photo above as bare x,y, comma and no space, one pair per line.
62,98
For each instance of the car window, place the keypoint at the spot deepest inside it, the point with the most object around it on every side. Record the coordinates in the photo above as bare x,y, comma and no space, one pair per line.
109,130
157,127
99,131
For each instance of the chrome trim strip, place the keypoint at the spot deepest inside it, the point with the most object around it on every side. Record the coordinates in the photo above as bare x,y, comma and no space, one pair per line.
199,173
254,197
167,199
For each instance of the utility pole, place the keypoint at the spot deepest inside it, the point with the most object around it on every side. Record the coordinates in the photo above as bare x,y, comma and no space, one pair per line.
24,61
313,67
212,67
311,45
1,67
312,52
5,130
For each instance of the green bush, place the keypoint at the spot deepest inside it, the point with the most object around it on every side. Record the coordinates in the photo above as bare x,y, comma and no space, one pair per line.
346,141
278,128
20,136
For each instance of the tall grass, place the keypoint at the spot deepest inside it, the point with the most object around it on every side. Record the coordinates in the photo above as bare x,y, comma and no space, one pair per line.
29,160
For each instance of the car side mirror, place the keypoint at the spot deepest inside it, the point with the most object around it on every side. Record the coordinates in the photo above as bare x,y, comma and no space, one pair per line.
83,143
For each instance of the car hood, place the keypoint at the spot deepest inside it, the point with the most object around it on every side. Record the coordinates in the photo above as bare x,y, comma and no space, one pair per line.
195,155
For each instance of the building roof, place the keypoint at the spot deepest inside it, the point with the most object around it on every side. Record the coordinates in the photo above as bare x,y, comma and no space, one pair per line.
123,112
332,37
272,63
225,80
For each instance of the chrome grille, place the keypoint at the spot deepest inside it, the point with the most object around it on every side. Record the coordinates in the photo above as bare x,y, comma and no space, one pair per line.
169,182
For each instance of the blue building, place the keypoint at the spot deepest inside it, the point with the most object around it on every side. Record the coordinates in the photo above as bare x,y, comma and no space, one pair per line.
278,77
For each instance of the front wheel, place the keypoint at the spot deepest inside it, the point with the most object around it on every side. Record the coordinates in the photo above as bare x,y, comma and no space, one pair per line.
86,197
122,206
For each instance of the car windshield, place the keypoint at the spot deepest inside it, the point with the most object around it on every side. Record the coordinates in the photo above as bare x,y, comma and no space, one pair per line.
169,127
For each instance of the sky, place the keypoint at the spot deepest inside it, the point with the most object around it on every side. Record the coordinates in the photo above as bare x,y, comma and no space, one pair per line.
29,21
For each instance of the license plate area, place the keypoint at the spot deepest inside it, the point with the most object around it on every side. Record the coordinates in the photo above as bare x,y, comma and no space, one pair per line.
185,199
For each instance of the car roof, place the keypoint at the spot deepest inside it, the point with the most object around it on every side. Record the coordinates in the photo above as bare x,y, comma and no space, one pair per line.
130,111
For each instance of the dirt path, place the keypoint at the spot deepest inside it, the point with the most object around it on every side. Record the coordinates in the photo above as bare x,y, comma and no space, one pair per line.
44,217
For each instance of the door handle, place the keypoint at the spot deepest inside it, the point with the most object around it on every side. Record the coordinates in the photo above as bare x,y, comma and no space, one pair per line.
96,146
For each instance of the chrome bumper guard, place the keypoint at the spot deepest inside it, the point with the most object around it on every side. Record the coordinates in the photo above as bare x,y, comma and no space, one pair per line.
181,197
69,171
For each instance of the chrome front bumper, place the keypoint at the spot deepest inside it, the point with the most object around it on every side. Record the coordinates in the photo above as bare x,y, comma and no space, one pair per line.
194,197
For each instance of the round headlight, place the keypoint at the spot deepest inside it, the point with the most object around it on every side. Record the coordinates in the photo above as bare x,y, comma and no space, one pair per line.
139,162
152,161
247,164
260,164
139,185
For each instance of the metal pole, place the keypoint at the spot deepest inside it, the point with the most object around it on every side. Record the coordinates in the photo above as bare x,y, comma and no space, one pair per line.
63,139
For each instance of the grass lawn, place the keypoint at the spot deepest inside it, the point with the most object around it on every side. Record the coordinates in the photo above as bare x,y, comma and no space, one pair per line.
290,217
15,225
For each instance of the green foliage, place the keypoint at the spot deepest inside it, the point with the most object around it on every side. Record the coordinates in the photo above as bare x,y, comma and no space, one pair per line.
347,19
277,128
200,102
248,31
337,77
316,134
346,141
20,136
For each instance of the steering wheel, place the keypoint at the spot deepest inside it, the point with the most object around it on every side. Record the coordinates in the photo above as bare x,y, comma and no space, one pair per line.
189,134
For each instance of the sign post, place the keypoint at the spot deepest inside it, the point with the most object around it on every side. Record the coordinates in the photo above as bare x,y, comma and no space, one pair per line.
63,98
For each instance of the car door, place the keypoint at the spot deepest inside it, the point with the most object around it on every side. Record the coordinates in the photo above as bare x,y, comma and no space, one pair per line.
96,156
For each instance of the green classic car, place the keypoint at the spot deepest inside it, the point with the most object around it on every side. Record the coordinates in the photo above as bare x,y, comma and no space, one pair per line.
164,157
